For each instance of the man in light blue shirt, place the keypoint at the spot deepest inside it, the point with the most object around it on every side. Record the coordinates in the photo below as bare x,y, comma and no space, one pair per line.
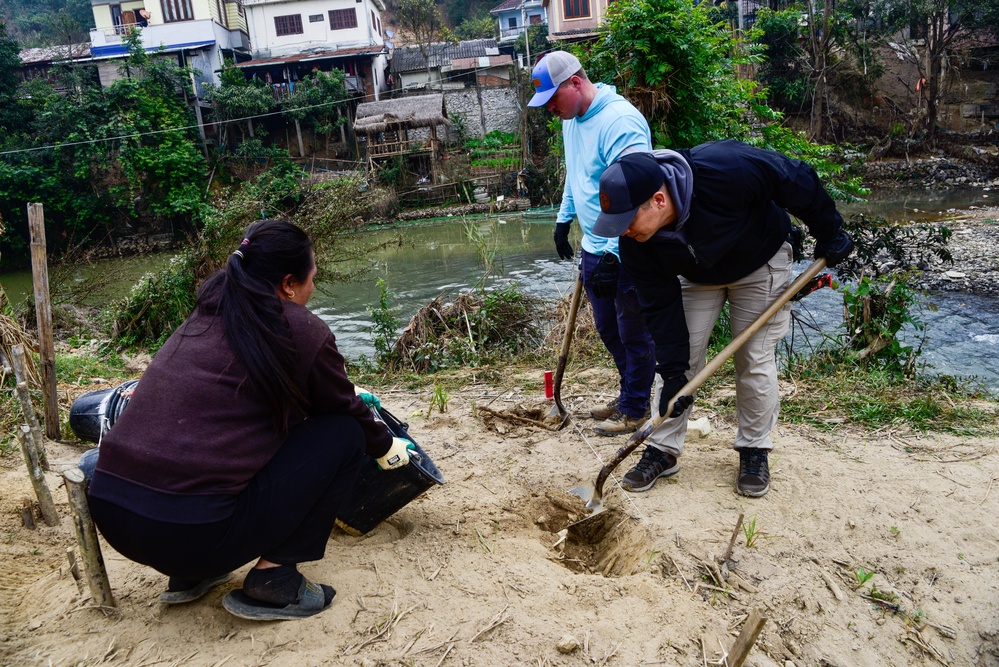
598,127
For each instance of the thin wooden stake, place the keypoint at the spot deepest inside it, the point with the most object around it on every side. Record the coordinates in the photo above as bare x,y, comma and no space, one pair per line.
30,418
26,515
747,637
33,461
43,314
731,542
74,569
86,538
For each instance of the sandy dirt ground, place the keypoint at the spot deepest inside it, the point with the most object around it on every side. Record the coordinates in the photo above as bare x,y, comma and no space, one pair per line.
479,571
871,549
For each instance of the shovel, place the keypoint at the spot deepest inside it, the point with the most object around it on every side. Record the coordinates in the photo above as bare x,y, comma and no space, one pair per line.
558,413
592,494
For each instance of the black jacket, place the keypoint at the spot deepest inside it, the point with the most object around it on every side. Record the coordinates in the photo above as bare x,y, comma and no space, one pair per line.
738,221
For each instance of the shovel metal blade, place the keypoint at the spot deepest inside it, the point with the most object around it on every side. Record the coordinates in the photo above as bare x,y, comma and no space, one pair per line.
557,418
587,493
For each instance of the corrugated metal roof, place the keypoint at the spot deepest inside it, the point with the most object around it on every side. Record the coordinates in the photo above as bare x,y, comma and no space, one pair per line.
409,58
330,54
475,63
48,54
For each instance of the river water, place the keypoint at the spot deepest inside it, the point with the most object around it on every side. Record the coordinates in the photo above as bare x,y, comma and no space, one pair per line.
447,256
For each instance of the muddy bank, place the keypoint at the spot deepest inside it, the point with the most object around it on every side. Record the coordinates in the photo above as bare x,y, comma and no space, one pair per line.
972,167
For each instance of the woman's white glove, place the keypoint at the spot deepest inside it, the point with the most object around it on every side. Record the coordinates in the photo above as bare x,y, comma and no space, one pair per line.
397,456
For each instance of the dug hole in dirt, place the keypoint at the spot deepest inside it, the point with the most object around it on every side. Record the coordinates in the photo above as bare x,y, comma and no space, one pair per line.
871,549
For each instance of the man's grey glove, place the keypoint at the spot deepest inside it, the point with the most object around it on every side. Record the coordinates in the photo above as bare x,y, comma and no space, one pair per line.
603,281
562,245
834,249
668,391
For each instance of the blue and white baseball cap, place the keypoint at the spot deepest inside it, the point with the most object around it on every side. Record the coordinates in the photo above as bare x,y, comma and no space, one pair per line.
550,72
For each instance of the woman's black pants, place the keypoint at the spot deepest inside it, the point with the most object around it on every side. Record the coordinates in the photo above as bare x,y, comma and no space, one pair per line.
285,515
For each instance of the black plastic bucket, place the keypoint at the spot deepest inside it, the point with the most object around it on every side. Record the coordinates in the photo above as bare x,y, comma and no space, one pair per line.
381,493
95,412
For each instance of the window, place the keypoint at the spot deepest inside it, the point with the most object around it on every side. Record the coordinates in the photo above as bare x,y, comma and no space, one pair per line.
288,25
341,19
177,10
513,23
315,18
576,9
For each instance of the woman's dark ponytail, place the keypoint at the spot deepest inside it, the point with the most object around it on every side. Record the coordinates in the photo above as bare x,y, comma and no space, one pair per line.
245,294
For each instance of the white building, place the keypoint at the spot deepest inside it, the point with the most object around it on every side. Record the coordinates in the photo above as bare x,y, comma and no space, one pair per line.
515,15
195,33
291,37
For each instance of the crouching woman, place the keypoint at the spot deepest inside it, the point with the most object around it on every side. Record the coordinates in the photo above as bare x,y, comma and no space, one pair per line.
241,440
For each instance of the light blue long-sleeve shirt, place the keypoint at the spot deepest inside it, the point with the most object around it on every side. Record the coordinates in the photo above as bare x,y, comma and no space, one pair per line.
610,128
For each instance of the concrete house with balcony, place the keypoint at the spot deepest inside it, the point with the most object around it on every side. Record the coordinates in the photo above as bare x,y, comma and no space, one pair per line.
292,37
195,33
515,15
574,20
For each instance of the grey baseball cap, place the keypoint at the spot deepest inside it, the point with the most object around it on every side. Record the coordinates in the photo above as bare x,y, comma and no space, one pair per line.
550,72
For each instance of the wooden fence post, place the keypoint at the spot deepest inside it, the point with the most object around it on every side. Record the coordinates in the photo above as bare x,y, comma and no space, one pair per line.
43,314
86,538
747,637
37,475
30,418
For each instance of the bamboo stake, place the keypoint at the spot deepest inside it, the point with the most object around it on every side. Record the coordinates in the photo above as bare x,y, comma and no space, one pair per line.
86,538
43,314
747,637
33,461
31,419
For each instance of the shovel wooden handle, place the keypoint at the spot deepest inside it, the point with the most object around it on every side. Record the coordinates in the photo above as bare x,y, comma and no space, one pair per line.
570,327
709,369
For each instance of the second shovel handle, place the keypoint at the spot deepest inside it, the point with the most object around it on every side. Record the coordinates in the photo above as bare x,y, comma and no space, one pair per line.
639,436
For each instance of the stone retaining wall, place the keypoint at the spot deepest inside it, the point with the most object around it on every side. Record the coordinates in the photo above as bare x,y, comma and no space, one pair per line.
498,108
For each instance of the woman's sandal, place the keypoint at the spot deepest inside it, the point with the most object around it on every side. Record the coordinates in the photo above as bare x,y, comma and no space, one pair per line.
311,601
194,592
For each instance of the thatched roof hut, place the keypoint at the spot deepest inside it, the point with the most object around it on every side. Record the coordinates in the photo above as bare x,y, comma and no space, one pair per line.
384,127
404,113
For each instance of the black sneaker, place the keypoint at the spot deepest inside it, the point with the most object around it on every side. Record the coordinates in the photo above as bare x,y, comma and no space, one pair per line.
754,472
654,464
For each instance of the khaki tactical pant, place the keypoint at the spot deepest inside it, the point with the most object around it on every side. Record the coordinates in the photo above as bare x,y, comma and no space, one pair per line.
756,390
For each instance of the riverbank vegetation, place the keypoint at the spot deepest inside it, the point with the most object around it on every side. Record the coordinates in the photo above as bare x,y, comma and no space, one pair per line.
129,156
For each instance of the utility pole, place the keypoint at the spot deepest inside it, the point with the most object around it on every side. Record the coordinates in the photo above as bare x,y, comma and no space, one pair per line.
527,36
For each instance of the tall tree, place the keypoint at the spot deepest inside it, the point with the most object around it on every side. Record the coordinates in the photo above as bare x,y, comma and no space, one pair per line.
236,100
944,25
677,66
318,101
10,64
820,43
422,22
783,70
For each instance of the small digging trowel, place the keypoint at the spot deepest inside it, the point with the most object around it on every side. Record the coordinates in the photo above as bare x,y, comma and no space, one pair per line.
559,415
592,494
